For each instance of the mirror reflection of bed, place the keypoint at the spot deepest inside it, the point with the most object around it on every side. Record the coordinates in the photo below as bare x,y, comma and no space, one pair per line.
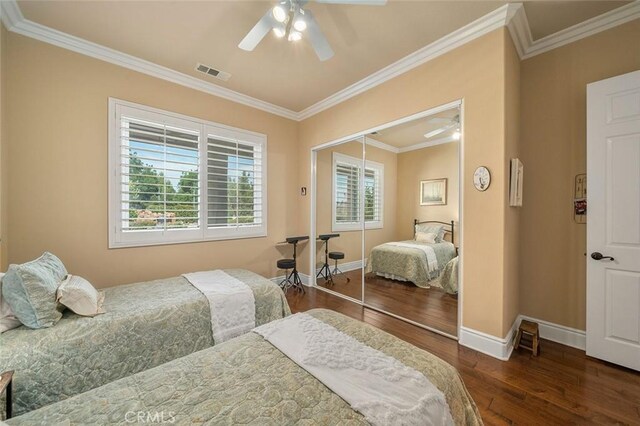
411,261
417,277
383,182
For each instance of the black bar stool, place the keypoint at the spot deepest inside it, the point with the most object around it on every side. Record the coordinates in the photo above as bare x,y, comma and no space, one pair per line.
325,270
286,264
337,255
293,278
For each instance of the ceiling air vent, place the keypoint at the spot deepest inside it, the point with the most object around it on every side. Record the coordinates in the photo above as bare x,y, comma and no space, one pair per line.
221,75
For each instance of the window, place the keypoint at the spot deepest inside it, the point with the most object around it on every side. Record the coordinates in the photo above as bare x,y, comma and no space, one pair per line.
348,183
178,179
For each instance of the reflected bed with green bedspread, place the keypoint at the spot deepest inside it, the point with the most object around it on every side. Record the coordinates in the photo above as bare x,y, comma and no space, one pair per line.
145,325
410,264
247,380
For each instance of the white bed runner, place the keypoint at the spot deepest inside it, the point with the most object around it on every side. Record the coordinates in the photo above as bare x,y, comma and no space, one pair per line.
232,304
381,388
432,260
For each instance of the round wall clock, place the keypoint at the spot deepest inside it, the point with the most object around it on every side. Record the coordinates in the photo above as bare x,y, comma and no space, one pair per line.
482,178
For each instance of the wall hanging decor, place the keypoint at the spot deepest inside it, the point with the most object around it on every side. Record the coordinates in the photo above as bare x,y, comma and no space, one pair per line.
515,185
433,192
482,178
580,199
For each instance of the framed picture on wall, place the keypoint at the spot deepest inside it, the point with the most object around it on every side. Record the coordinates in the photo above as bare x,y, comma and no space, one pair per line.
433,192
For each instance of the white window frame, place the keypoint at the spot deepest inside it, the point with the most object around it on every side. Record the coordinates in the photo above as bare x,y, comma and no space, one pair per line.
119,238
358,162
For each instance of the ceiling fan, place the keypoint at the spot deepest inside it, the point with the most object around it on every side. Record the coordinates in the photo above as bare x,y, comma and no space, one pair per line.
450,123
287,19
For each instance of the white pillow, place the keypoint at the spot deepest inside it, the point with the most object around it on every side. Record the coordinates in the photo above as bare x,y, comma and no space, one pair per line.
426,237
7,319
78,294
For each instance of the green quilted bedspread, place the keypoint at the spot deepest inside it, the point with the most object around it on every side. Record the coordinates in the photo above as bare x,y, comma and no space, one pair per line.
146,324
409,263
246,380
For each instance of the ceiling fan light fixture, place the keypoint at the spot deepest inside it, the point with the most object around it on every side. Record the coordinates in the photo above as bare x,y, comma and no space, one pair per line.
300,24
279,13
279,32
295,36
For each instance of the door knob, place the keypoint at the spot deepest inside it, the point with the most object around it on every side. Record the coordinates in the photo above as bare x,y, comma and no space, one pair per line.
598,256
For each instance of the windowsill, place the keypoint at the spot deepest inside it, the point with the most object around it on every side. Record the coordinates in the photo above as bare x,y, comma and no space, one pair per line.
134,244
357,227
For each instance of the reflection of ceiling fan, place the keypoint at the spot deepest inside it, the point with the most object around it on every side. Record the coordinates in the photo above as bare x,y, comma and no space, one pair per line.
449,123
288,19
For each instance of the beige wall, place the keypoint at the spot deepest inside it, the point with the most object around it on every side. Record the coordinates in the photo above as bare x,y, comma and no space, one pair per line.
440,161
350,242
57,141
512,215
553,150
4,159
475,73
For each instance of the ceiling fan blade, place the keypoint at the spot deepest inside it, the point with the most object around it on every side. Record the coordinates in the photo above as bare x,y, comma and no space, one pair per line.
439,120
257,33
438,131
317,39
357,2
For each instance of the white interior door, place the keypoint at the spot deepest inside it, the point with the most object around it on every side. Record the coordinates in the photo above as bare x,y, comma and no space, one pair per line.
613,224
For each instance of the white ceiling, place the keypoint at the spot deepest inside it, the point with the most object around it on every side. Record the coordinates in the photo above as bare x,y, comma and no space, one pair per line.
179,34
412,133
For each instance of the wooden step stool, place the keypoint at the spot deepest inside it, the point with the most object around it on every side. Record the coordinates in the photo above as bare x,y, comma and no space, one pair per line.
529,328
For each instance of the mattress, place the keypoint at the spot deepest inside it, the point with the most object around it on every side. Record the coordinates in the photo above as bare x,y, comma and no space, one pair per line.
408,263
246,380
146,324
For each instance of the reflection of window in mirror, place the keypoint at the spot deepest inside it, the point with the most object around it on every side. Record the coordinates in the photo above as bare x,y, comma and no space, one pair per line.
346,197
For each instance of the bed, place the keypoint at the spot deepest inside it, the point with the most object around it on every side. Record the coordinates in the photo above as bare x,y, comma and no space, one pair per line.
145,325
247,380
414,261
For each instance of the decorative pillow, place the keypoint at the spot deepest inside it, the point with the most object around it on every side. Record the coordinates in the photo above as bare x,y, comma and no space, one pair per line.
30,289
426,237
7,319
78,294
432,229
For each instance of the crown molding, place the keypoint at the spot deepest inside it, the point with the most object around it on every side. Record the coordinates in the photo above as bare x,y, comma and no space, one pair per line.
14,21
427,144
376,143
511,15
484,25
527,47
414,147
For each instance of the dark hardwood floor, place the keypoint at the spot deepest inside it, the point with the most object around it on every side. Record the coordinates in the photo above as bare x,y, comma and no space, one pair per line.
562,386
429,306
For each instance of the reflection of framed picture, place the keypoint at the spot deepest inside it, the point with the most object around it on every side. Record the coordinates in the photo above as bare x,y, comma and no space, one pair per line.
433,192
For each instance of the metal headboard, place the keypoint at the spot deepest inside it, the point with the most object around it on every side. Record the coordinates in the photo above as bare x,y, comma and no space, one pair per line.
449,224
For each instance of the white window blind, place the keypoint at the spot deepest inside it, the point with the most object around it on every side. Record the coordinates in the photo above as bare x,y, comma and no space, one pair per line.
159,169
372,194
179,179
357,196
234,184
347,189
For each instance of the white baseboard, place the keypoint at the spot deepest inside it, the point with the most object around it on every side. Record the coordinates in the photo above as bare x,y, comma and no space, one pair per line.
559,333
501,348
344,267
496,347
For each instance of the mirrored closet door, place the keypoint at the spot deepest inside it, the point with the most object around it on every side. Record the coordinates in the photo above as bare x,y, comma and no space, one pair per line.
339,202
411,211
